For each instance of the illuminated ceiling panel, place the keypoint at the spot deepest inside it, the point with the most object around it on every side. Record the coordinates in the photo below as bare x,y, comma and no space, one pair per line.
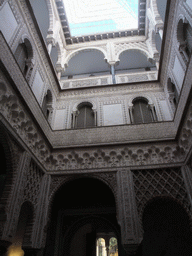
90,20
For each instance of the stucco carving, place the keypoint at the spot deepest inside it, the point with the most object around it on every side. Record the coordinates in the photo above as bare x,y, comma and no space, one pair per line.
159,182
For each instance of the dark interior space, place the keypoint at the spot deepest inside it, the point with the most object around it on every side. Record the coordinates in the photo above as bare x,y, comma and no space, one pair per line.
166,229
82,209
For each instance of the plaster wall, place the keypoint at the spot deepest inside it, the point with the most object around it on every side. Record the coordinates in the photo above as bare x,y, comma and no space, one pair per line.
189,3
8,23
112,114
178,72
60,119
38,86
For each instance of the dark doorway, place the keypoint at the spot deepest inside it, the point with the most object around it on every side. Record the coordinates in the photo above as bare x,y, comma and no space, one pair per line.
82,209
166,229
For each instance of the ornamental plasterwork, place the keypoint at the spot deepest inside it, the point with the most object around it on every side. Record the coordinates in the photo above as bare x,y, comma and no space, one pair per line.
25,127
168,43
41,56
168,182
18,118
128,88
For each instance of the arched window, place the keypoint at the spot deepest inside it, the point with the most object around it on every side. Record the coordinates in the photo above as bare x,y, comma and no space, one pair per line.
173,94
113,247
85,116
24,56
47,104
107,246
142,112
101,247
21,56
184,37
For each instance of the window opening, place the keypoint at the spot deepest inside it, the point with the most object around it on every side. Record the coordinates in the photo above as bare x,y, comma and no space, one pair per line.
142,112
101,248
113,247
85,117
107,246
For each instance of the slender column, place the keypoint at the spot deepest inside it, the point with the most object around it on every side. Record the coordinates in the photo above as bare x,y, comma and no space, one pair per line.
113,73
187,176
153,112
74,118
49,48
131,114
161,33
59,75
95,117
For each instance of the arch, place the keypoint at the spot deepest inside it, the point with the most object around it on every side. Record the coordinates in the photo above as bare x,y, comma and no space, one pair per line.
47,104
72,54
80,188
140,96
141,111
24,55
166,227
134,48
101,224
85,116
28,44
184,38
173,93
71,179
179,31
168,199
80,102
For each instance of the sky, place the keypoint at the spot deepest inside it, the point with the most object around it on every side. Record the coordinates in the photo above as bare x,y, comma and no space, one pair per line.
90,17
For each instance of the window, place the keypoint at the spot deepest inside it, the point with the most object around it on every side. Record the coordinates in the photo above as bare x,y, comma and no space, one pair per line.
24,57
21,56
47,104
173,94
184,37
101,248
142,112
107,246
85,116
113,247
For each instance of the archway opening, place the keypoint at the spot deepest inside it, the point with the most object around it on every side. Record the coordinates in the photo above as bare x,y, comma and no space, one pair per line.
136,60
166,229
82,209
86,64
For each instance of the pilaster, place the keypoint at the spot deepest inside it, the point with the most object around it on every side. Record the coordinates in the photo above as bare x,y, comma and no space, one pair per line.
187,177
128,216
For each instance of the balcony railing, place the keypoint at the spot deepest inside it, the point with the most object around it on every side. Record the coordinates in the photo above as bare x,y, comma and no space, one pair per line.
107,79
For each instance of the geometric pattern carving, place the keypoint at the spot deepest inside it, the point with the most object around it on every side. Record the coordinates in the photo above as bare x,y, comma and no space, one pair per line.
116,157
149,184
33,181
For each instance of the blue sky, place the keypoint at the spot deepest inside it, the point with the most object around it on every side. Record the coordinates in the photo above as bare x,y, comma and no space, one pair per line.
89,17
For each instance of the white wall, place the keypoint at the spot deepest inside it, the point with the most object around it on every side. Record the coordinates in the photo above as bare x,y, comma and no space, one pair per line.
112,114
8,23
38,86
178,72
189,2
60,118
165,110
